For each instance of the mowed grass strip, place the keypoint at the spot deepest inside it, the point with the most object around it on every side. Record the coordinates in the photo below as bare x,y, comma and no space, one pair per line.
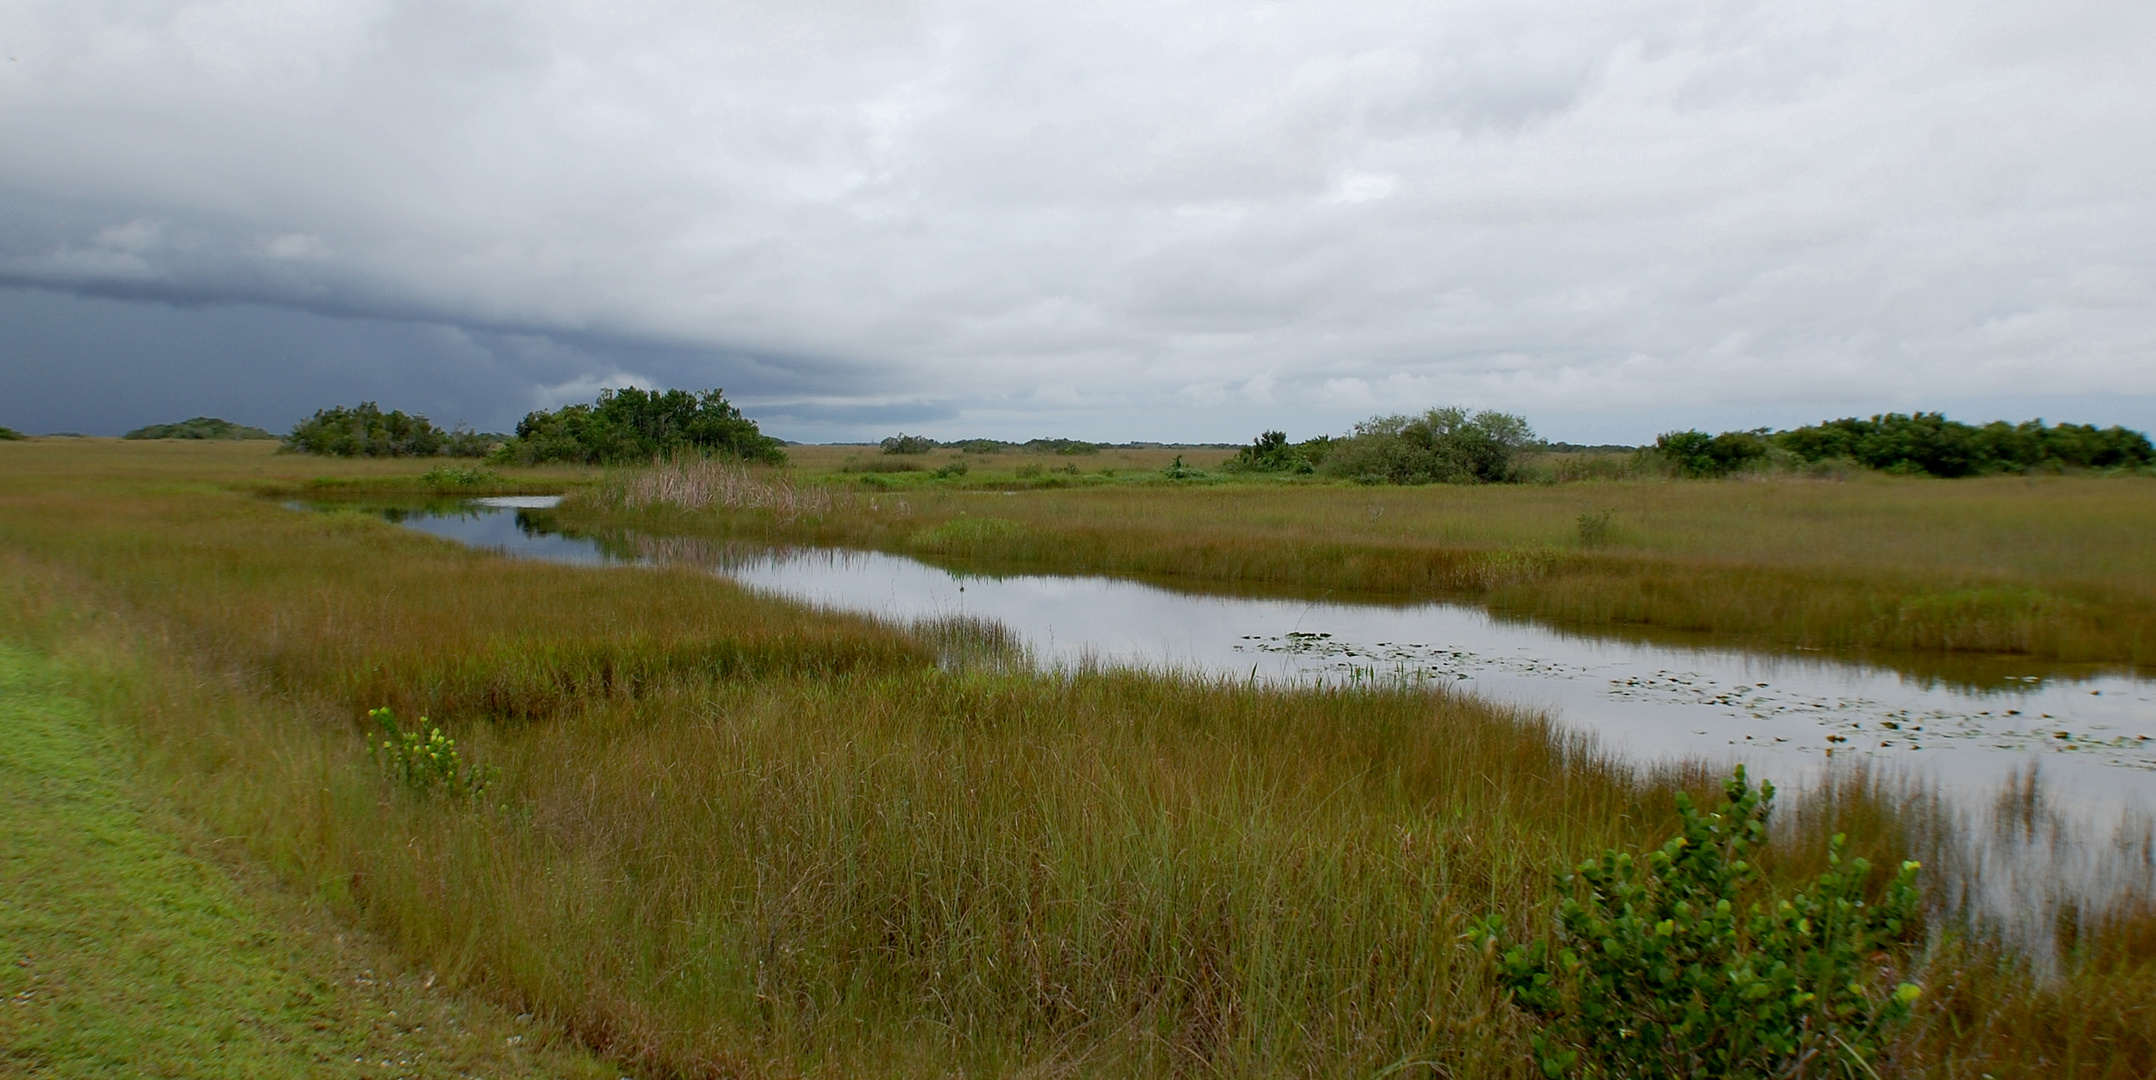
122,954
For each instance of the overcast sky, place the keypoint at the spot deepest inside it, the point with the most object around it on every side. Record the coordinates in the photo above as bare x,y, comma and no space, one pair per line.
1116,220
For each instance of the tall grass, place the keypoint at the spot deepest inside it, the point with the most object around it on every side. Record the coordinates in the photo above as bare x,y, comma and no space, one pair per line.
2052,568
734,837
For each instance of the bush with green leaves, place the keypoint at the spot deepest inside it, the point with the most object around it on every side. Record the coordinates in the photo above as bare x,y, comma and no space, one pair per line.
200,427
367,431
1698,454
1930,443
1676,964
1271,452
8,434
903,443
425,760
1440,446
631,425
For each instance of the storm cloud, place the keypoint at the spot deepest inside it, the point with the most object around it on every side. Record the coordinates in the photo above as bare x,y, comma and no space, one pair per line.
1118,220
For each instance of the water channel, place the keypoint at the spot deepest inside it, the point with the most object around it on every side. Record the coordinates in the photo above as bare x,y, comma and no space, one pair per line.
2057,771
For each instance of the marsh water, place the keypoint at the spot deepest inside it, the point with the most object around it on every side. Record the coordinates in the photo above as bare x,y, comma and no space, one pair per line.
2056,768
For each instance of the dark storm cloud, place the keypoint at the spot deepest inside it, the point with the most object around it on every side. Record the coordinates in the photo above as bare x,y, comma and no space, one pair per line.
1206,215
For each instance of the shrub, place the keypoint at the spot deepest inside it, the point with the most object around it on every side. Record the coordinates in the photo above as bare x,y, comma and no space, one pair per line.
1060,446
1932,444
1440,446
1671,966
446,476
366,431
1698,454
425,761
1270,452
903,443
200,427
632,425
952,471
8,434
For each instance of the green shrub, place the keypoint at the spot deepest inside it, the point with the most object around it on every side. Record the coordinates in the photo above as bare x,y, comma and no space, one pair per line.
1060,446
200,427
1439,446
8,434
367,431
631,425
425,761
1270,452
1698,454
1932,444
1672,965
952,471
448,476
903,443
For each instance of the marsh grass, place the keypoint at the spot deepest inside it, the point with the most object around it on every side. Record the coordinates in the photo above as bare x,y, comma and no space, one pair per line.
734,837
2052,568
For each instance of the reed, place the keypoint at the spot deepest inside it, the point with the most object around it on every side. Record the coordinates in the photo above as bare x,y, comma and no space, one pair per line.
2051,568
734,837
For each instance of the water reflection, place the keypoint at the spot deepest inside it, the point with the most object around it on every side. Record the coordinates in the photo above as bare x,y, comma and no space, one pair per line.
2023,848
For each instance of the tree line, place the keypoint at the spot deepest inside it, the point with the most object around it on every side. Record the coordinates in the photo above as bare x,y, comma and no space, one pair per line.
622,426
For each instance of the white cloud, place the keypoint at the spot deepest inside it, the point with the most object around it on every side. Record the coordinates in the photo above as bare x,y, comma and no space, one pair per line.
1124,206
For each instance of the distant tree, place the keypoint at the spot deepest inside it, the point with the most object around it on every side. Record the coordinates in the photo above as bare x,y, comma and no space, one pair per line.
1698,454
200,427
1440,446
629,425
1061,446
1932,444
980,446
366,431
1270,452
903,443
8,434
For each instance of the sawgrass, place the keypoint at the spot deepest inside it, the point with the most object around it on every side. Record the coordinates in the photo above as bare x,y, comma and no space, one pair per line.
734,837
2054,568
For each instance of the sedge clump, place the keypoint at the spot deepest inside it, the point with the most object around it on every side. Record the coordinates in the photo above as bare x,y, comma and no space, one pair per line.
425,760
1668,965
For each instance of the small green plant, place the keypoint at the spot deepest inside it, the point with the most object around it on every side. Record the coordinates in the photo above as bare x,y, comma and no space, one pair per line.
952,471
1176,470
426,760
1596,530
450,476
1660,967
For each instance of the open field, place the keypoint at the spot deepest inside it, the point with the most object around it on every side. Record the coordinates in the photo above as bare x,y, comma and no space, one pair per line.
730,837
2055,568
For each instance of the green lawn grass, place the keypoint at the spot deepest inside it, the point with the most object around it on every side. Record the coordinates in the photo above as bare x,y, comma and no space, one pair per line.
124,954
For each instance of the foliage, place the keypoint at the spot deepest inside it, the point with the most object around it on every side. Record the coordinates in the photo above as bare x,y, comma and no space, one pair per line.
1670,966
425,760
1596,529
1271,452
1698,454
980,446
903,443
1930,443
633,425
1176,470
8,434
367,431
1060,446
952,471
200,427
1440,446
452,476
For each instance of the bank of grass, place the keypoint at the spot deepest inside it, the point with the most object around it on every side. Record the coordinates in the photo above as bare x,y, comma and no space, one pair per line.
732,837
2052,568
130,954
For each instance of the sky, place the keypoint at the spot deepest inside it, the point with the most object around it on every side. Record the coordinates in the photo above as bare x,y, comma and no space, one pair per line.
1171,220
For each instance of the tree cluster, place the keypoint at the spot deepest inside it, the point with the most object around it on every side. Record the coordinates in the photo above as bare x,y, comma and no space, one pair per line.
1439,446
630,425
367,431
200,427
8,434
1922,443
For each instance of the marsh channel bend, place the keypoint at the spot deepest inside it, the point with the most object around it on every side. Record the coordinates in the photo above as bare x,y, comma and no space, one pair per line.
2086,738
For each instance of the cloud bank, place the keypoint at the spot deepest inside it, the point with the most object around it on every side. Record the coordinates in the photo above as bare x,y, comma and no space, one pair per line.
1119,219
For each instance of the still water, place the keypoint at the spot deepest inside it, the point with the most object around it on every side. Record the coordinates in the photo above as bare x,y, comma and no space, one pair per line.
2090,736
